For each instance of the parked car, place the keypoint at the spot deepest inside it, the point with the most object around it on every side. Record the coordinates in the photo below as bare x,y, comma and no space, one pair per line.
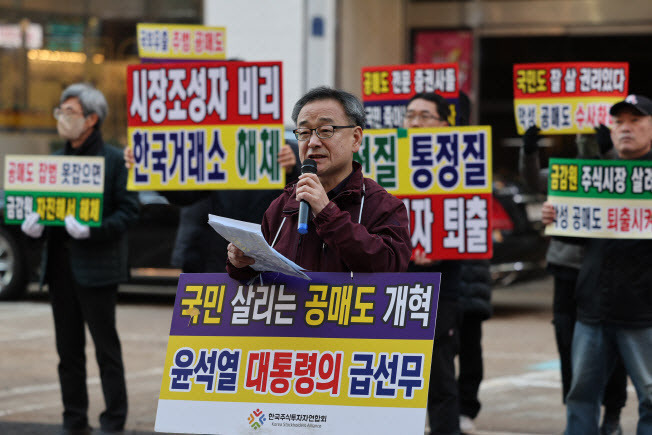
151,241
519,243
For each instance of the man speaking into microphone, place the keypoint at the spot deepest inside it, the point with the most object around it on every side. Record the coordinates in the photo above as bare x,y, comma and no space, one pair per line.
353,224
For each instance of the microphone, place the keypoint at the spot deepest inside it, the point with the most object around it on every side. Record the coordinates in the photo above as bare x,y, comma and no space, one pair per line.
309,166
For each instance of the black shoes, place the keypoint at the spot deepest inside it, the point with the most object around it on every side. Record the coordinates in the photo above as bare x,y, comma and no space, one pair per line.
611,428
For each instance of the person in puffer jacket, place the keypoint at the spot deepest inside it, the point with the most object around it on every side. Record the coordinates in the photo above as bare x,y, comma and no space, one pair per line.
475,304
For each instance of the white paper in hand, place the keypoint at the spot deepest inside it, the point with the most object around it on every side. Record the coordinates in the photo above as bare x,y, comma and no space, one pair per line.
250,240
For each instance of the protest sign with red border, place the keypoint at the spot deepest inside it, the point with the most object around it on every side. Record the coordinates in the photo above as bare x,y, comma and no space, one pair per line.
386,90
200,125
567,97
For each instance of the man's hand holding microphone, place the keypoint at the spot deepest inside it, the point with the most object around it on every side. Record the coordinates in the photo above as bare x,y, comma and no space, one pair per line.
312,199
308,191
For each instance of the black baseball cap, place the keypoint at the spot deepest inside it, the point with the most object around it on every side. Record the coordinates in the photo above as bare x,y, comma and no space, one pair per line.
638,103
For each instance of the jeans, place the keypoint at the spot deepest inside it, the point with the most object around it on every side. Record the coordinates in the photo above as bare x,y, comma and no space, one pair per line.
595,351
564,309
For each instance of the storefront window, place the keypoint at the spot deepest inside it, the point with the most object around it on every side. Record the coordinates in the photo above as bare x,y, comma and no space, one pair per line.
45,47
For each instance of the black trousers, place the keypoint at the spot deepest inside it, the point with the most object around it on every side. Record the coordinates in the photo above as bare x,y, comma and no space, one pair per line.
73,306
443,406
564,315
471,368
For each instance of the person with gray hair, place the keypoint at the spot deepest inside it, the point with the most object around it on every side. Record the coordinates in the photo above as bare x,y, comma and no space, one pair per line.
83,266
92,100
354,225
353,108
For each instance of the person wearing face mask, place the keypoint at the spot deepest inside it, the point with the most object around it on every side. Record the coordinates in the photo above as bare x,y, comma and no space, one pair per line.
83,267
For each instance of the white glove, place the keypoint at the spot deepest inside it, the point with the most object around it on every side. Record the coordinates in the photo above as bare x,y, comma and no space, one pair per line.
31,227
75,229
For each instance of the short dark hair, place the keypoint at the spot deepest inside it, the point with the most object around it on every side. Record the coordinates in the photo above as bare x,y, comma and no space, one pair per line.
353,108
440,103
463,109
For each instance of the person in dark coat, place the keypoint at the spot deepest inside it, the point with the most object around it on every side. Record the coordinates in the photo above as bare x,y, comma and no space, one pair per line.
193,243
430,110
83,266
475,304
614,308
563,263
356,225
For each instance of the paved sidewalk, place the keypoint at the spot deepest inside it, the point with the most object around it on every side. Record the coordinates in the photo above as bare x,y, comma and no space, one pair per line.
521,392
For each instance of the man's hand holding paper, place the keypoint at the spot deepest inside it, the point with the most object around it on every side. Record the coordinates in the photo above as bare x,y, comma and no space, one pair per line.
248,247
238,258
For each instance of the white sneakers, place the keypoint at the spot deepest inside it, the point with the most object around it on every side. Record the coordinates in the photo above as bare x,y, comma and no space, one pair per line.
466,424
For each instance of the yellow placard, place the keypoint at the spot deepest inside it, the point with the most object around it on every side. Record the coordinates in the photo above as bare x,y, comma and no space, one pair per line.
427,161
175,41
416,398
218,157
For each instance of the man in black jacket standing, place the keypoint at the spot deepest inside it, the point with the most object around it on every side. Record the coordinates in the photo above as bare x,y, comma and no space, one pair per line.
564,262
430,110
614,296
83,267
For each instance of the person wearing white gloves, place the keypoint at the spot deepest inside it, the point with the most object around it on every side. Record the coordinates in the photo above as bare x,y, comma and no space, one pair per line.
34,229
31,227
75,229
83,266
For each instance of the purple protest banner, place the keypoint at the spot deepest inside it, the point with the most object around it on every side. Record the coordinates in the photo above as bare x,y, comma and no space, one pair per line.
238,315
339,354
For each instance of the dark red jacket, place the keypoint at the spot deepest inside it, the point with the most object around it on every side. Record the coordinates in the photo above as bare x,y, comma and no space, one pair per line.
335,241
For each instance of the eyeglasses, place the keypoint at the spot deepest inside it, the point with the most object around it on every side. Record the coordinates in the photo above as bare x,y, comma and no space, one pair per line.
424,117
66,112
323,132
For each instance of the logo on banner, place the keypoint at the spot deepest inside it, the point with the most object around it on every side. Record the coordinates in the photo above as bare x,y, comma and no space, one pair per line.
631,99
256,419
288,420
